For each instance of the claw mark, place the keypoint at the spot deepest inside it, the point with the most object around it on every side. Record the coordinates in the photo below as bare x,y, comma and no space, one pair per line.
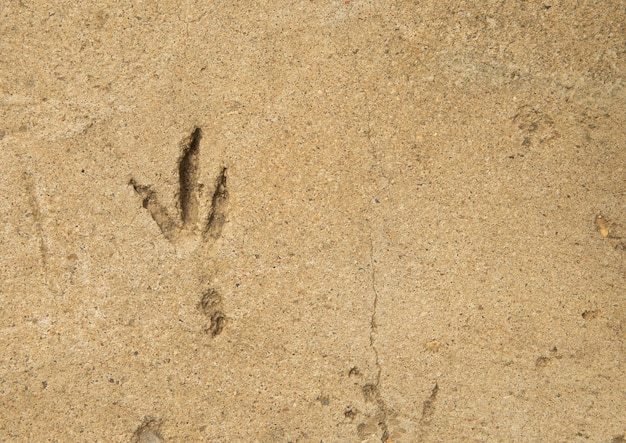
211,306
187,224
429,405
159,213
217,213
428,410
188,177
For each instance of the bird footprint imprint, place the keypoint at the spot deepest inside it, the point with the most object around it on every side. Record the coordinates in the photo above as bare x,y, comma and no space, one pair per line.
200,215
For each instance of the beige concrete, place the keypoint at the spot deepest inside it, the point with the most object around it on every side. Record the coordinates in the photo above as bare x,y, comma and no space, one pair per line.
305,221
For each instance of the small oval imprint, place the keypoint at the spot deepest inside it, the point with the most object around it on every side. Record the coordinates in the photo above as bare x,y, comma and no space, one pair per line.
602,225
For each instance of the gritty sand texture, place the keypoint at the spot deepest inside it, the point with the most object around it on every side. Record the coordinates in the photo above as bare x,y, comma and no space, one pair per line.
313,221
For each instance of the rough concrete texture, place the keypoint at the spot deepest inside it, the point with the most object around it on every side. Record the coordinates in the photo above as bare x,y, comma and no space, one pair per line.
305,221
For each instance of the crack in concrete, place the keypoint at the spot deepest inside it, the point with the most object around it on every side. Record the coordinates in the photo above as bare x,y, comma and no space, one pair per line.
375,394
380,401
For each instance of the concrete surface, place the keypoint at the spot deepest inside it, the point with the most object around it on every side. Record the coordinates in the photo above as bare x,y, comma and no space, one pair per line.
305,221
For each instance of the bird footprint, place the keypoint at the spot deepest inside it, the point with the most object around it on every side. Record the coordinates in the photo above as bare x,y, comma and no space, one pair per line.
189,225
